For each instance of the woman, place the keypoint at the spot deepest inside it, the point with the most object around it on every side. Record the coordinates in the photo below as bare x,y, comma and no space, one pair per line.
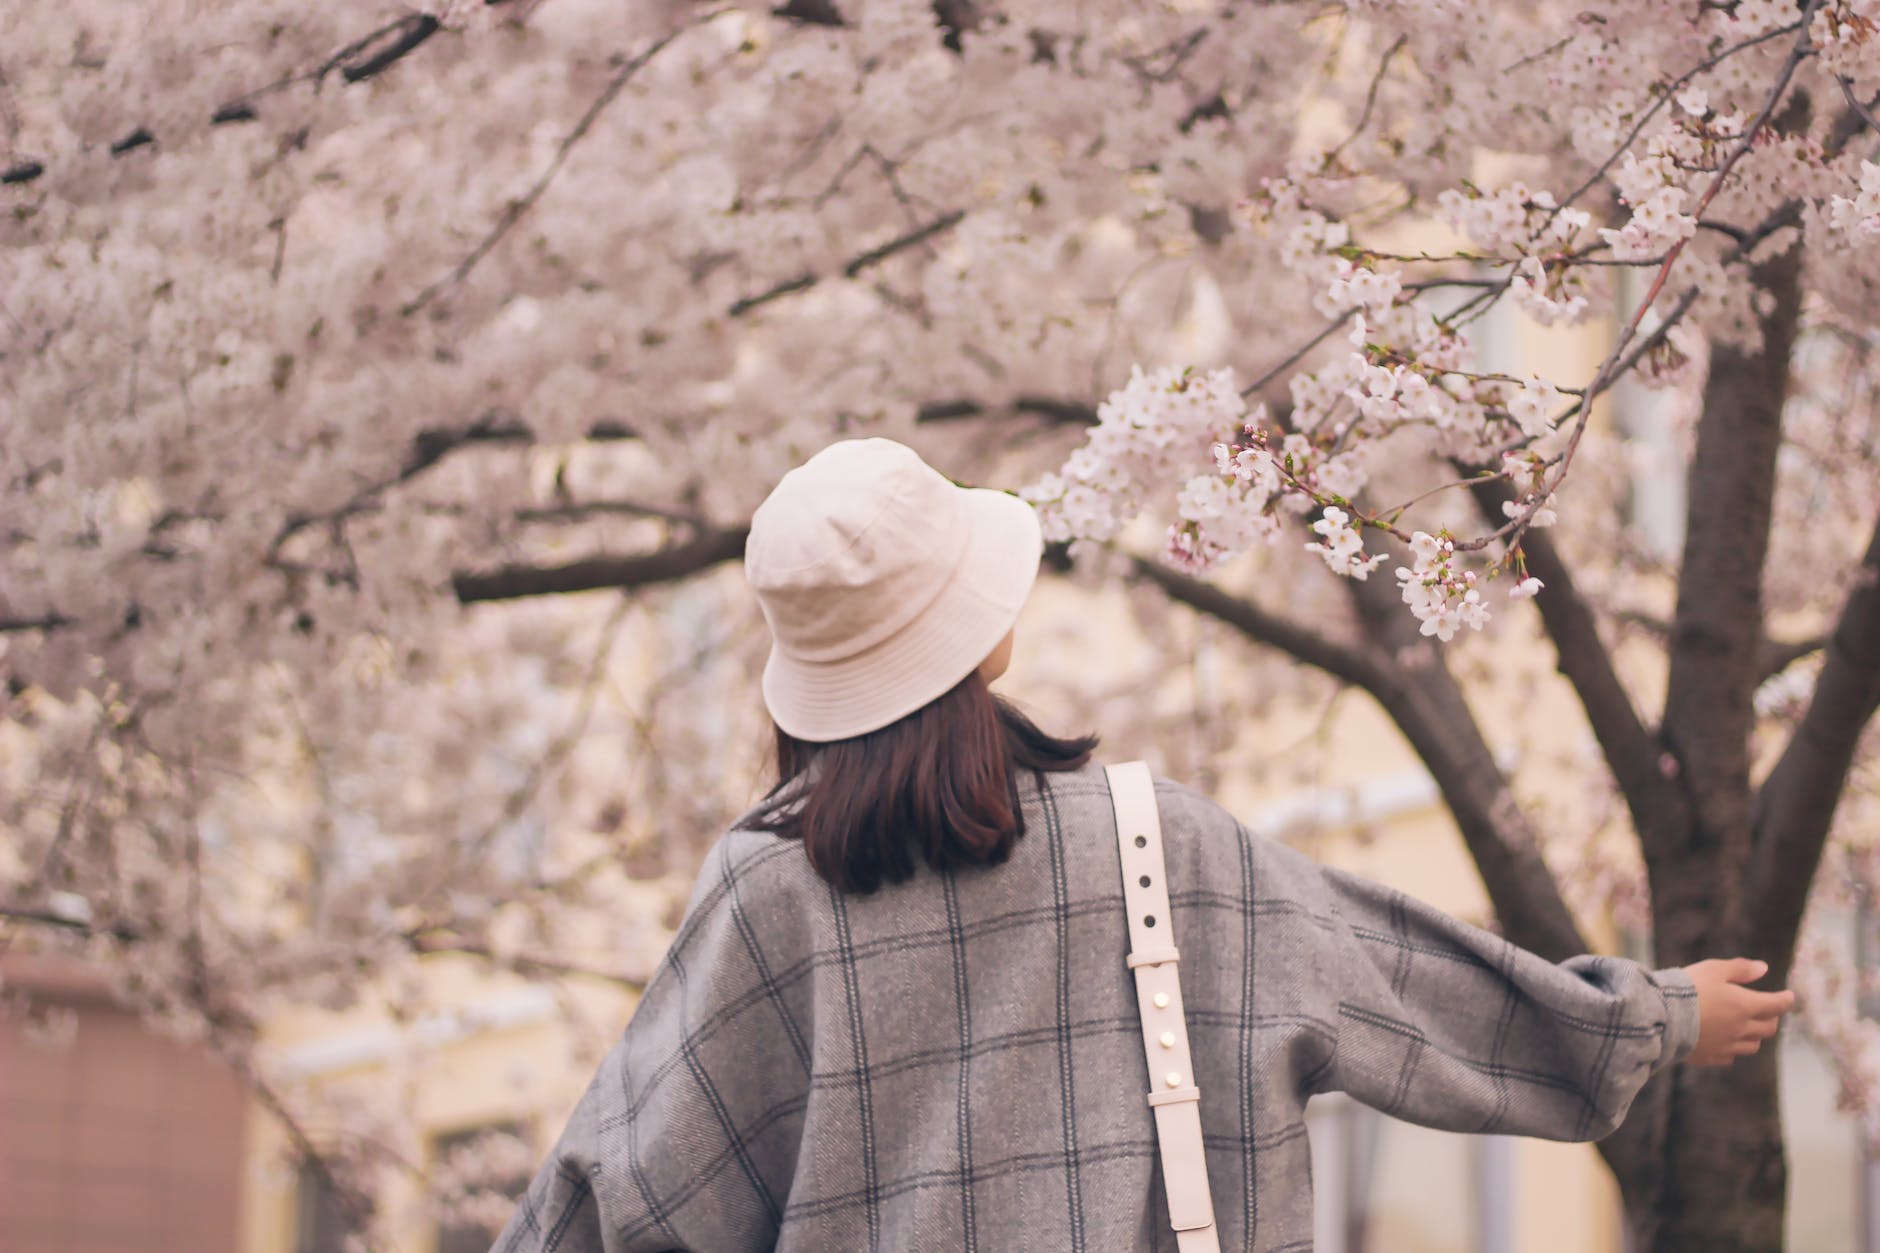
897,1014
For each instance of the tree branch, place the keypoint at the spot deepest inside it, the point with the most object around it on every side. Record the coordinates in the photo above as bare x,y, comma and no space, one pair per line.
1614,364
1794,808
355,1204
1405,674
1062,412
44,622
810,13
1862,111
362,59
526,965
854,266
1336,658
1772,656
1717,628
585,510
432,443
1670,92
666,565
45,917
1775,656
1428,705
366,58
1370,100
1630,749
430,447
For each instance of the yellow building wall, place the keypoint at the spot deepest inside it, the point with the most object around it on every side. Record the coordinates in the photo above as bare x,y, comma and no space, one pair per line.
532,1073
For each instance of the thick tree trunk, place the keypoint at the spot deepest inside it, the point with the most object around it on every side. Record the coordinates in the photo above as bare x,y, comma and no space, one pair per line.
1723,1185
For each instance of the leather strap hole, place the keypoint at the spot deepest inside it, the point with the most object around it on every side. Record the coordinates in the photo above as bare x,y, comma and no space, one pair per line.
1144,880
1142,841
1148,920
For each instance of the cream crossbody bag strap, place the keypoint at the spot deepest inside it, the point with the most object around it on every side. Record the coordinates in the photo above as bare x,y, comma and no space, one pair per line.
1173,1097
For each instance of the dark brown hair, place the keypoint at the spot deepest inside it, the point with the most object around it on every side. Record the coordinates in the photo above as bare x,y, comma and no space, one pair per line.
940,785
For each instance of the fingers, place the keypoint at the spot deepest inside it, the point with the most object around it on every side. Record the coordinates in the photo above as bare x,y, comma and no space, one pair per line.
1770,1004
1760,1029
1744,969
1736,1020
1749,1039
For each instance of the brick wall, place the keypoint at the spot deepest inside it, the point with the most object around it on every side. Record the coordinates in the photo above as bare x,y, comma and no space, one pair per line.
121,1139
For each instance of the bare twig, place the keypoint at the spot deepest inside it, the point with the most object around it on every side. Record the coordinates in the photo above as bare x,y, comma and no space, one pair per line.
641,570
582,510
356,1206
1370,99
517,208
379,51
44,622
557,752
1532,57
364,58
1671,91
1863,111
429,943
1609,368
856,265
1326,332
60,922
427,450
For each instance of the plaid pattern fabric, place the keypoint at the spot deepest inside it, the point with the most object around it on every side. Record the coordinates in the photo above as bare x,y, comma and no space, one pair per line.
954,1063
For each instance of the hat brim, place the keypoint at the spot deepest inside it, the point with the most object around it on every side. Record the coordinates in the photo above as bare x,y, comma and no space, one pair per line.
820,701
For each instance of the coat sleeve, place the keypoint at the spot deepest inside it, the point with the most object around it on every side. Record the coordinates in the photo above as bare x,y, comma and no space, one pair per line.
1443,1024
687,1136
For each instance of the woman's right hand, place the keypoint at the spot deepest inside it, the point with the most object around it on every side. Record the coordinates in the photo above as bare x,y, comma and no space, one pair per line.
1733,1021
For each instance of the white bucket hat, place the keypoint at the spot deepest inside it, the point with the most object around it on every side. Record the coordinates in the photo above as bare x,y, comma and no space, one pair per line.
883,583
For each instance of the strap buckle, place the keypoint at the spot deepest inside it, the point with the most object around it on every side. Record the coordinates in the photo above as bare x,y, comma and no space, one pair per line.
1189,1093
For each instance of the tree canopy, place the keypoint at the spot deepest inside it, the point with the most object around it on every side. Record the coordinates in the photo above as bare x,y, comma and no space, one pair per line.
320,325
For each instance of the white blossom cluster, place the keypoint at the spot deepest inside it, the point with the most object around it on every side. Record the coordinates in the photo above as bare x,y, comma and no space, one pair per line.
1233,508
1151,431
1859,214
1847,35
1512,218
1550,293
1342,546
1532,407
1438,589
1658,219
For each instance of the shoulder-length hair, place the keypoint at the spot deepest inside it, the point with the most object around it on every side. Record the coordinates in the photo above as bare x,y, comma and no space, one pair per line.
939,786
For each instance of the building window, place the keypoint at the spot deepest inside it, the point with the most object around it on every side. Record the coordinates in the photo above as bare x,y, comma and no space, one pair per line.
1647,417
482,1172
321,1223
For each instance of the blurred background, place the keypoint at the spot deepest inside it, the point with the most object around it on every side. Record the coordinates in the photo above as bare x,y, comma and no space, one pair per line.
385,390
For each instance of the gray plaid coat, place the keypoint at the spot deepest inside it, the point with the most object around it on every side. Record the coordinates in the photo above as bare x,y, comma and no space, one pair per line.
955,1063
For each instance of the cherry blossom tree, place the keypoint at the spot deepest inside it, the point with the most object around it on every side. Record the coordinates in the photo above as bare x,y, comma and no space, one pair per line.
344,344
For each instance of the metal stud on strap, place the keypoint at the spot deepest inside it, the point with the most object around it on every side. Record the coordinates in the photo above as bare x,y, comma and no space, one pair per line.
1173,1097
